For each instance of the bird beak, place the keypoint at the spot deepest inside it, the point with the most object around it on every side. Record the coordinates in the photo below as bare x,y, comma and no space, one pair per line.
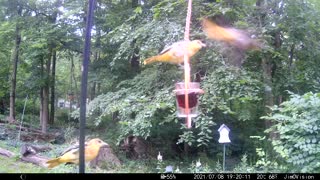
203,45
104,144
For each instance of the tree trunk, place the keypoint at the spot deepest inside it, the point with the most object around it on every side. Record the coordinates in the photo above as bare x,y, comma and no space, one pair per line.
93,91
268,91
98,88
70,106
135,64
53,75
72,91
15,60
105,157
45,108
291,55
29,153
73,79
36,159
268,66
53,53
135,57
41,92
6,153
2,106
44,92
41,106
94,84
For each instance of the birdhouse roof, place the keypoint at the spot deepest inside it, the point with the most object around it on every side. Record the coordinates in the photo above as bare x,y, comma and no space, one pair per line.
223,126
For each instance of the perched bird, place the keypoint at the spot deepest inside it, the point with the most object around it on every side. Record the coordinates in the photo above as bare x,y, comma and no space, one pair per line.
174,54
71,155
232,36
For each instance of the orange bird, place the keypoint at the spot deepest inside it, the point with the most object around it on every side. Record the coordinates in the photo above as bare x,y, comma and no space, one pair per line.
174,54
71,155
232,36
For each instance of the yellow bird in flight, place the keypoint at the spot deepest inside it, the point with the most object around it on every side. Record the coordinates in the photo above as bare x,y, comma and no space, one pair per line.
232,36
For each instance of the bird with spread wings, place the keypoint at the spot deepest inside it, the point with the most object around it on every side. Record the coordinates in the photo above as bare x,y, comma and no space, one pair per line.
235,37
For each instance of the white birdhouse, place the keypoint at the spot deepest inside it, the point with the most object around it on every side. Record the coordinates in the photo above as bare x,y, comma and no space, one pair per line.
224,134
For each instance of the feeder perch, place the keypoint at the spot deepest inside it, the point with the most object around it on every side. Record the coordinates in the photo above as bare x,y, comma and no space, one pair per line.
193,92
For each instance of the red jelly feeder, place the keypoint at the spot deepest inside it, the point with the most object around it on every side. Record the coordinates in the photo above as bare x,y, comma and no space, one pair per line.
193,92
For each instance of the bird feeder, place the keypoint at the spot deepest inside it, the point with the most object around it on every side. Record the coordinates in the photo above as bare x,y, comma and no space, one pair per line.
224,134
193,91
224,138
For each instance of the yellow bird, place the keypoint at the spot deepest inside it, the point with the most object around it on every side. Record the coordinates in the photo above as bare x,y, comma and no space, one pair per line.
71,155
234,37
174,54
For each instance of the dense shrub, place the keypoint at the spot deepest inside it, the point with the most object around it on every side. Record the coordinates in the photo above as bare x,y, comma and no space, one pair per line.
297,123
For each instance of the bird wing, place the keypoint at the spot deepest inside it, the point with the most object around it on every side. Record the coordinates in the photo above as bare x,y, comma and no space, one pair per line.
72,156
166,49
176,47
73,148
174,53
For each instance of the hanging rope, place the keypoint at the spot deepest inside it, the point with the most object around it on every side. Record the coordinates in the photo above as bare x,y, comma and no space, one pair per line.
187,66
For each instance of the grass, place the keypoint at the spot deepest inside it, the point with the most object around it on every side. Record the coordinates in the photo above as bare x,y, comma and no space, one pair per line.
186,165
190,165
12,165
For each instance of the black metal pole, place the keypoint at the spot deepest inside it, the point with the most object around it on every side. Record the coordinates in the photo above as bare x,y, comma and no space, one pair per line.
84,81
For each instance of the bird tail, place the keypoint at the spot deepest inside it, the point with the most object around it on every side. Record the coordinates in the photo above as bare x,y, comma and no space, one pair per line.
53,163
150,60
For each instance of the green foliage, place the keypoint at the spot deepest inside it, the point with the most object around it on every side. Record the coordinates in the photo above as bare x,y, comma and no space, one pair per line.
231,91
30,107
244,166
137,103
63,115
266,160
160,165
143,99
7,30
297,126
134,99
199,168
203,127
265,163
187,136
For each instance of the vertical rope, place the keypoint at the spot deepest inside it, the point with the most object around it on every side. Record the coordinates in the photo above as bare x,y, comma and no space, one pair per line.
187,65
188,20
